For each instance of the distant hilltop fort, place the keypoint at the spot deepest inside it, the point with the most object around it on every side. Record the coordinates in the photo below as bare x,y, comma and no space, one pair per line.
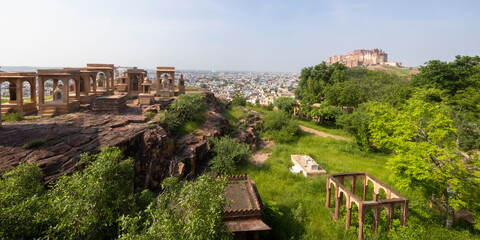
363,57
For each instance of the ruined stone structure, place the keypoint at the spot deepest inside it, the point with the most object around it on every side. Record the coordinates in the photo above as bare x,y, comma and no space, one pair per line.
16,102
244,216
360,57
393,199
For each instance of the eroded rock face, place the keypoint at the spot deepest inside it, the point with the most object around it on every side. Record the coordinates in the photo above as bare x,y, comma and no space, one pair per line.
66,137
247,132
193,149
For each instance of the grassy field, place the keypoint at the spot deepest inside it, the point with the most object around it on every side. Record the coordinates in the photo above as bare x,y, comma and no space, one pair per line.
295,206
27,99
403,71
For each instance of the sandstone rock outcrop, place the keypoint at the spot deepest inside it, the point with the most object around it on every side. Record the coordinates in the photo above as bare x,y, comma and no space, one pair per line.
193,149
66,137
247,132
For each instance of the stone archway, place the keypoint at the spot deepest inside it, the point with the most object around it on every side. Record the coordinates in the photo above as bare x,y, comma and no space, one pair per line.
135,83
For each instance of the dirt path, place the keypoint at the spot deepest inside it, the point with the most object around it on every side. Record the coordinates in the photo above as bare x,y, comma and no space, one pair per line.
323,134
259,157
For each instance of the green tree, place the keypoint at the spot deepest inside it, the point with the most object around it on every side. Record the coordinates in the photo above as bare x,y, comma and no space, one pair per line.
422,135
88,203
238,98
24,209
280,127
184,210
452,77
314,80
286,104
357,124
227,153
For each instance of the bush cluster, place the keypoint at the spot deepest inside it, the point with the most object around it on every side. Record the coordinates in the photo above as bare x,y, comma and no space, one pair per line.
99,203
227,153
280,126
187,107
286,104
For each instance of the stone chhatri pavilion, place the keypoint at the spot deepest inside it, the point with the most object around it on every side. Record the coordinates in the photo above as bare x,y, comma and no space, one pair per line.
146,98
105,79
75,86
88,84
17,103
62,101
393,199
131,81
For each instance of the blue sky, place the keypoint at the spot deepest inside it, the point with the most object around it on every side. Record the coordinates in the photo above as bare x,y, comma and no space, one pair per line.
232,35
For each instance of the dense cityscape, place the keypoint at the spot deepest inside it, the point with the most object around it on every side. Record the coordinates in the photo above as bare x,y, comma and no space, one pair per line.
258,87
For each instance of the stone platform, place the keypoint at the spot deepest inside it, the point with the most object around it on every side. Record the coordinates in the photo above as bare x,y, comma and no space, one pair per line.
110,104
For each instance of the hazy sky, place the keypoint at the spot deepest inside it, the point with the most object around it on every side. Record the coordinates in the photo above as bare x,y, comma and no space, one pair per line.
232,35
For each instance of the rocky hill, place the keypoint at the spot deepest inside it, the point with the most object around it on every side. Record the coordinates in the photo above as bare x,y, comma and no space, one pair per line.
64,138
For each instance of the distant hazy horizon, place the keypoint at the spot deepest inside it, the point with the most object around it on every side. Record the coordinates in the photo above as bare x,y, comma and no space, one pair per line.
260,36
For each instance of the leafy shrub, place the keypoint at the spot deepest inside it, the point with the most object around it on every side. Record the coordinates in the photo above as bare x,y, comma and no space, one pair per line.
268,107
12,117
227,153
23,203
184,210
289,133
280,127
357,124
286,104
187,107
325,113
239,101
87,204
33,144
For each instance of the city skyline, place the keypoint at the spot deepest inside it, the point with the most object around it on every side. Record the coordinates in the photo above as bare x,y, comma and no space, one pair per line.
266,36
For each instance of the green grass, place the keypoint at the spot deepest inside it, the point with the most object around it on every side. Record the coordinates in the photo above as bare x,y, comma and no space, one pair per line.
12,117
27,99
295,206
191,126
258,108
149,114
402,71
191,88
330,129
233,114
33,144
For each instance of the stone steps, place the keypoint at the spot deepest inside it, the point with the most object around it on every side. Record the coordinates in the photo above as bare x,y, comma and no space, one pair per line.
48,112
